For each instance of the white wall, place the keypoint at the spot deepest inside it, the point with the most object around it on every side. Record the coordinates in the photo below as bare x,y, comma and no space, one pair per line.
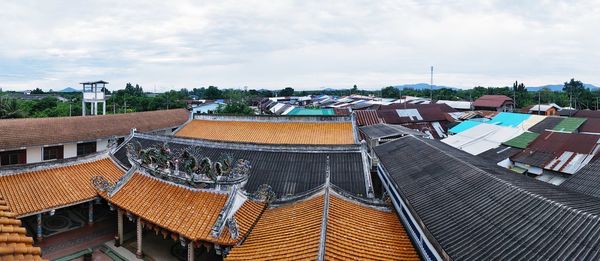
101,144
70,150
34,154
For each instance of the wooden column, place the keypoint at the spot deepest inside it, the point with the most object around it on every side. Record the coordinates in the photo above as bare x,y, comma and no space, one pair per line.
190,256
139,253
119,237
38,230
91,213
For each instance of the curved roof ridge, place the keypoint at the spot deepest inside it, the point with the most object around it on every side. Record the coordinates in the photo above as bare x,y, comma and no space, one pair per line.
49,165
249,145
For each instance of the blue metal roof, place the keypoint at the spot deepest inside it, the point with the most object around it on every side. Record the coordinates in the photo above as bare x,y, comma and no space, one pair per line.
509,119
463,126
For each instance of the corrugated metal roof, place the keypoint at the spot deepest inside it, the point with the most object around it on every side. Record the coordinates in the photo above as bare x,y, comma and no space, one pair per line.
586,181
311,112
569,124
463,126
367,117
379,131
509,119
562,152
531,121
491,101
496,155
522,140
482,138
591,125
547,124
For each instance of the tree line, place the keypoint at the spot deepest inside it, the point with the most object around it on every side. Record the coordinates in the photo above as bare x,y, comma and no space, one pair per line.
133,98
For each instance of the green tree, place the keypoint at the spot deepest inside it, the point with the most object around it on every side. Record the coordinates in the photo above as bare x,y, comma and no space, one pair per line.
574,89
9,109
37,91
213,93
390,92
235,107
287,91
354,89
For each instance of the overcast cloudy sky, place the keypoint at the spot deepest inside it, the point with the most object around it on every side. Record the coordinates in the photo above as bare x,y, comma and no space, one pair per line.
303,44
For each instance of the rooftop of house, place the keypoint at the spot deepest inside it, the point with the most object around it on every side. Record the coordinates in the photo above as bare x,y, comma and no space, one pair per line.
474,210
19,133
491,101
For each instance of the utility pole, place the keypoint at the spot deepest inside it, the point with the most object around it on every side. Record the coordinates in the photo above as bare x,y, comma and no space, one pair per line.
539,102
431,86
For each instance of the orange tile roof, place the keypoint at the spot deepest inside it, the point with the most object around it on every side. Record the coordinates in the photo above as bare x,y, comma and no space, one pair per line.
359,232
290,232
190,213
354,232
16,133
270,132
39,190
14,242
245,217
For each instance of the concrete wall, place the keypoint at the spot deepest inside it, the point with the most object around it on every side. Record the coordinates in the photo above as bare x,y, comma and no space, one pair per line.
70,150
34,154
101,144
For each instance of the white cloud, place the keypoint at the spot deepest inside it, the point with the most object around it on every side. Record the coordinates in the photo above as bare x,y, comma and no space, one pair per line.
304,44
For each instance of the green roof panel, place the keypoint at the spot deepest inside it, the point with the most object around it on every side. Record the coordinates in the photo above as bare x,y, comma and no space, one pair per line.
311,112
522,141
569,124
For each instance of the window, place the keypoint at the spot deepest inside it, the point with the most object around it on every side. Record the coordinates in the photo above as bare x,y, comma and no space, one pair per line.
54,152
86,148
13,157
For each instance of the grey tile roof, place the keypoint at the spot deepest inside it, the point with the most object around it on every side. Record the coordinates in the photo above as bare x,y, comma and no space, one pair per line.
479,211
382,130
289,170
546,124
586,181
499,154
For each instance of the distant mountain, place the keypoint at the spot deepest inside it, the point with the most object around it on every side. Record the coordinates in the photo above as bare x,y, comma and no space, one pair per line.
69,89
559,87
422,86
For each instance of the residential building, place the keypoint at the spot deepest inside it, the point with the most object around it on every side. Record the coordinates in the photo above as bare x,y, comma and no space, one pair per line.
33,140
500,103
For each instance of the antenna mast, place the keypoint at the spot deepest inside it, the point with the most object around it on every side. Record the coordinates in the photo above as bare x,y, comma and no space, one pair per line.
431,86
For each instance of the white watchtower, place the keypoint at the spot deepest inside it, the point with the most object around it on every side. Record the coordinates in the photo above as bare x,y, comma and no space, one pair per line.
93,93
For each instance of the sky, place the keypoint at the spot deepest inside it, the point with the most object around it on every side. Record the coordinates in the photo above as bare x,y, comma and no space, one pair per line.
173,44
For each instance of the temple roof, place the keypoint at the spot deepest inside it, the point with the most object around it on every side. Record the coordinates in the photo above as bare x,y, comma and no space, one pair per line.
45,188
326,225
17,133
291,170
268,132
14,242
191,213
